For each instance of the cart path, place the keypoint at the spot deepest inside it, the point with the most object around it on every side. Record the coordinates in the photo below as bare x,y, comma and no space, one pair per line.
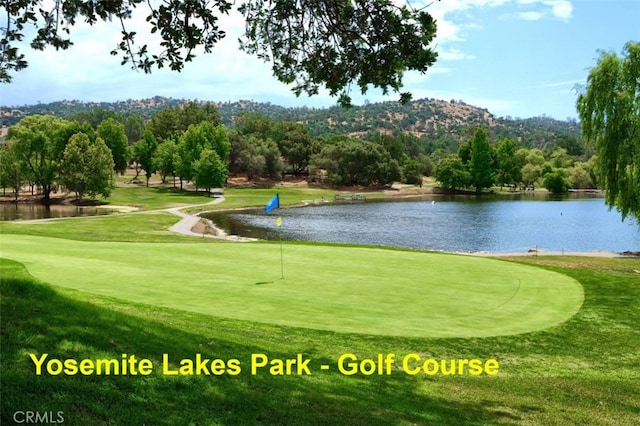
185,225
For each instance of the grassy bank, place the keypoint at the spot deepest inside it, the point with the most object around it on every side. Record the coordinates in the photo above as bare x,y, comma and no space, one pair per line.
582,370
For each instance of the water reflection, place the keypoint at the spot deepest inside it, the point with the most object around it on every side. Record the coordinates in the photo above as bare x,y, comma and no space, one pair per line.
29,211
450,225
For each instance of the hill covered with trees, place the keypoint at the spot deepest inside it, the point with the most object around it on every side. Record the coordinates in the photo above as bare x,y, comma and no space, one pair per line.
440,124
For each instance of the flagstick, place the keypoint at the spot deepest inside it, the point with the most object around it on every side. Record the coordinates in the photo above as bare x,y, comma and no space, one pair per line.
281,257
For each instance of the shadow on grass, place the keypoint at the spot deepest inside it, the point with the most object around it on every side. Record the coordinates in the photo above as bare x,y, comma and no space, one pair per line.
37,319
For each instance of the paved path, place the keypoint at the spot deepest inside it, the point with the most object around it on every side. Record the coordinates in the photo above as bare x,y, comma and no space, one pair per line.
188,221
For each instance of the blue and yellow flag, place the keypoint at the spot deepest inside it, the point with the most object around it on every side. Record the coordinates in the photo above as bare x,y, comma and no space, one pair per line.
273,204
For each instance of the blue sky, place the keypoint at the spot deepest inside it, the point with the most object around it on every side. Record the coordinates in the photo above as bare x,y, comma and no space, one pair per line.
518,58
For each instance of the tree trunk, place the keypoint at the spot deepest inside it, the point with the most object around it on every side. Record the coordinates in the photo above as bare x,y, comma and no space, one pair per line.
46,191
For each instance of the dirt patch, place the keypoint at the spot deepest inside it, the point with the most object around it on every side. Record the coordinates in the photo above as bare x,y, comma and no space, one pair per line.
204,226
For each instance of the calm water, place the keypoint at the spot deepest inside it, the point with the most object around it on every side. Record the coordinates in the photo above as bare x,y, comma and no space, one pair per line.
11,211
460,226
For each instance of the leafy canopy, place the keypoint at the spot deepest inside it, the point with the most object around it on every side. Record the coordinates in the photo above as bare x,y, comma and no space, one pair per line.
609,108
310,43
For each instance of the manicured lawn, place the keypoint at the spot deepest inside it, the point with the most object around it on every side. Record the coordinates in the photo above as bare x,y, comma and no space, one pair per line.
583,371
346,289
122,285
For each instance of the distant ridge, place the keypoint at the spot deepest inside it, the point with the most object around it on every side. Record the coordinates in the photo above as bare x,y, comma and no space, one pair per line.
433,119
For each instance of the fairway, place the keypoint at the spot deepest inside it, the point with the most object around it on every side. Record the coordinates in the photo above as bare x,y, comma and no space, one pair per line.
346,289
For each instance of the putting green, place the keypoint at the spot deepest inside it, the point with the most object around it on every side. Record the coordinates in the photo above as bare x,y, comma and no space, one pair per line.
346,289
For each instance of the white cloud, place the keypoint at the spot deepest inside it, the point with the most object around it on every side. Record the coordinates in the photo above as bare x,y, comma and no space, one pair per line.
454,55
562,9
530,16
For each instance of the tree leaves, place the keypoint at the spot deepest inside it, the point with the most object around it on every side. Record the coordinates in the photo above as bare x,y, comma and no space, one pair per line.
609,108
311,44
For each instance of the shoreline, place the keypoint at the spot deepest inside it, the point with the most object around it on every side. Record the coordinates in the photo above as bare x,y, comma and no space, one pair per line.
193,225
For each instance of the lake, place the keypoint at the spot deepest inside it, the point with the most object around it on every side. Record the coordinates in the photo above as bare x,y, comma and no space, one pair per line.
457,225
28,211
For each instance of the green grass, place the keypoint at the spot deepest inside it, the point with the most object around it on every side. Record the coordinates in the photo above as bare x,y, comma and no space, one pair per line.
139,227
162,197
583,371
347,289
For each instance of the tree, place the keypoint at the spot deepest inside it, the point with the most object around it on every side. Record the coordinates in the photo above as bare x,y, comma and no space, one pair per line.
452,173
310,43
36,144
295,144
508,164
210,171
11,174
480,164
113,134
133,128
609,108
100,170
73,166
556,182
164,159
144,152
351,161
197,138
87,167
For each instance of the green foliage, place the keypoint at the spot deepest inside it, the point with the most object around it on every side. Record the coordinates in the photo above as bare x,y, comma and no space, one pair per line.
351,161
580,176
481,162
73,166
144,153
412,171
335,43
36,144
87,167
509,165
556,182
164,159
210,171
295,144
609,108
113,134
452,173
11,173
530,173
133,127
100,170
310,43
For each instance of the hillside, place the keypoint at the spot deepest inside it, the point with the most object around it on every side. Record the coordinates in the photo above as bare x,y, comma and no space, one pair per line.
441,123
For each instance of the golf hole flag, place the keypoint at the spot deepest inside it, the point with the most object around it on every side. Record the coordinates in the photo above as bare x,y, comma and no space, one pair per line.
273,204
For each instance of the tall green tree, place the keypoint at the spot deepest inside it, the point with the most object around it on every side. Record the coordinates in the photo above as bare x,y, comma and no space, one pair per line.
164,159
310,43
11,173
452,173
609,108
508,167
113,134
86,167
133,128
144,153
73,165
209,170
351,161
197,138
481,162
36,144
102,179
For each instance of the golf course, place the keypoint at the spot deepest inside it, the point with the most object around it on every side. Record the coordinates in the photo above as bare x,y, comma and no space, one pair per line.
562,329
